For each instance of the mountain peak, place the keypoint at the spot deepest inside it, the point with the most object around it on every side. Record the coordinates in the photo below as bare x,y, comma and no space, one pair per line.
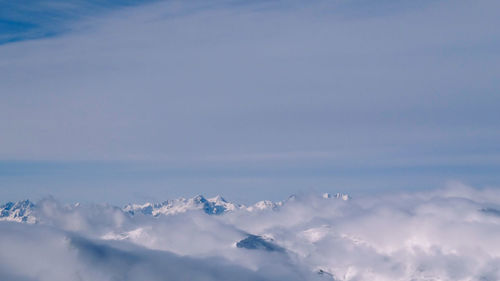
24,211
217,198
342,196
20,211
199,198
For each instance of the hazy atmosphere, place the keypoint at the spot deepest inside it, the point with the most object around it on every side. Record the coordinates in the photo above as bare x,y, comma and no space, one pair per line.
252,99
349,140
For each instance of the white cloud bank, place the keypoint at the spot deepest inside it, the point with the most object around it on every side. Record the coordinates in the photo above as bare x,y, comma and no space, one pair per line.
446,234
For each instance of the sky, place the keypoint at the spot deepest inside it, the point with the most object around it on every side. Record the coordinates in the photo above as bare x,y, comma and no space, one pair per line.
145,101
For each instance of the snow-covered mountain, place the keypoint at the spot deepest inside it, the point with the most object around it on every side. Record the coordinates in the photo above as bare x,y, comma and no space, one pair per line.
342,196
21,211
212,206
25,211
264,205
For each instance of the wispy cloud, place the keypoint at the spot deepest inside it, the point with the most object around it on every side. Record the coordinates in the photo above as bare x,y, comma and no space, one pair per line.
21,21
267,85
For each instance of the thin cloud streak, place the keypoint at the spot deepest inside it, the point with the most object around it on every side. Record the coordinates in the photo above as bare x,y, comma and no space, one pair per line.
178,84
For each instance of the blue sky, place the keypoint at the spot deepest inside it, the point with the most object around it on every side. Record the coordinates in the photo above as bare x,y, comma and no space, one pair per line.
38,19
152,100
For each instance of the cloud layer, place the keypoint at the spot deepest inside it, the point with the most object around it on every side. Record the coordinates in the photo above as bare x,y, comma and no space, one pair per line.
447,234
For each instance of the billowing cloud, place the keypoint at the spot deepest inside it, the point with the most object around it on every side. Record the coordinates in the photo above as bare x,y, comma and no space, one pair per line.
446,234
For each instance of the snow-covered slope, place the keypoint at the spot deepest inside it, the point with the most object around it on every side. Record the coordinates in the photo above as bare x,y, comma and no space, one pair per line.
21,211
212,206
342,196
25,211
264,205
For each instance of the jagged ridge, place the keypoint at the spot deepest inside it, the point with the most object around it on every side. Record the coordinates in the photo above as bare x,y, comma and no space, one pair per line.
21,211
25,211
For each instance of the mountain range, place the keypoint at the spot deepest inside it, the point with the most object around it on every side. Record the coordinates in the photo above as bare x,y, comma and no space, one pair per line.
25,211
